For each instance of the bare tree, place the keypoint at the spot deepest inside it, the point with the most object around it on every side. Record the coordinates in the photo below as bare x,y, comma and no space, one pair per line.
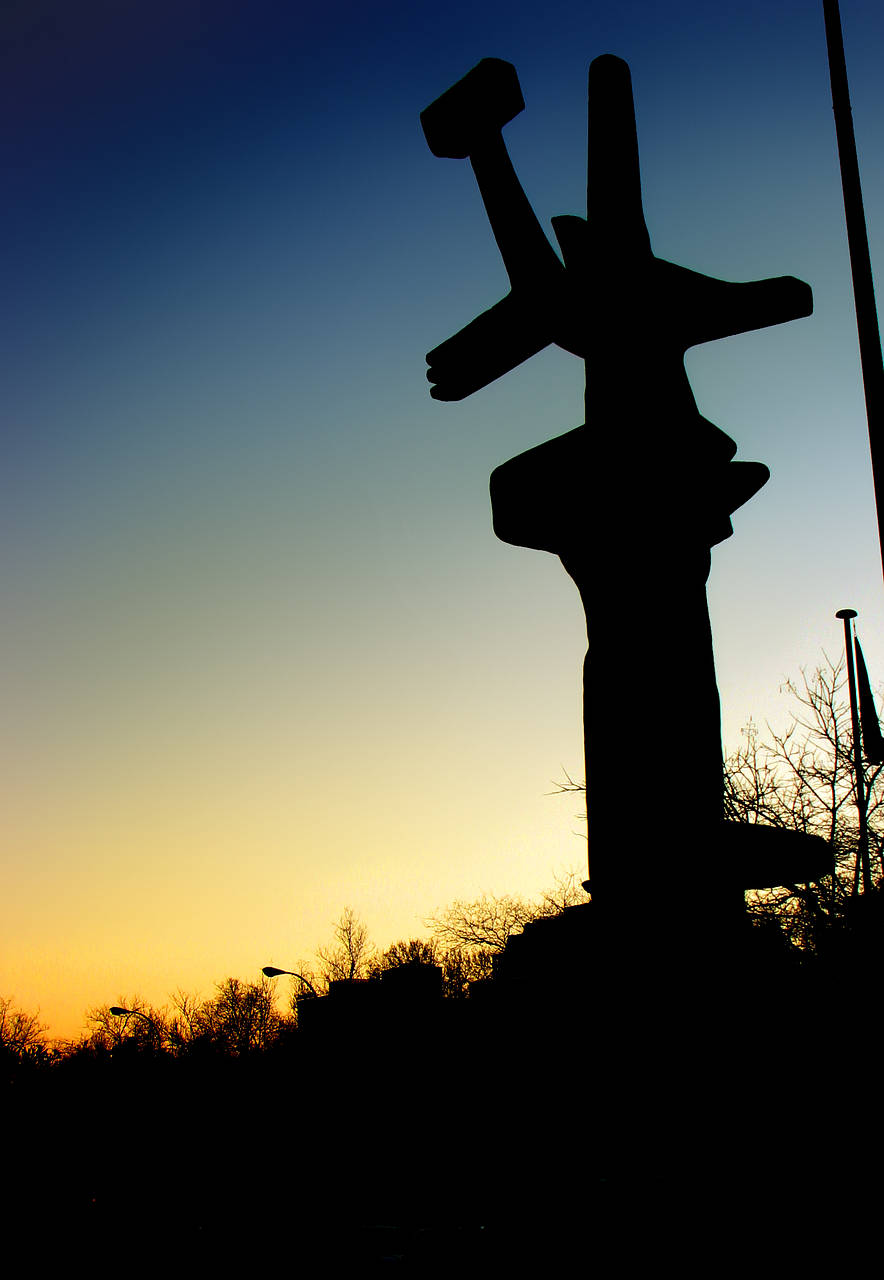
187,1024
138,1025
461,967
242,1017
351,955
410,951
486,923
566,891
22,1034
803,780
480,929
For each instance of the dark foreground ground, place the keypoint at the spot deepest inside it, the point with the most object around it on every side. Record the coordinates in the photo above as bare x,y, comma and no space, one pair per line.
747,1132
628,1120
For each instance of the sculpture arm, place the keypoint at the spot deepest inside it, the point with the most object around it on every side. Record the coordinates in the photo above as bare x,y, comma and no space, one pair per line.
496,341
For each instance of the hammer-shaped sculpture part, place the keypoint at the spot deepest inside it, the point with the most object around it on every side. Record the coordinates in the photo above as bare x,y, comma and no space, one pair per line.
473,110
467,121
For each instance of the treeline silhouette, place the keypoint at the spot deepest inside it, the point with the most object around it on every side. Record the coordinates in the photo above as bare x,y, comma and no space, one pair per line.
424,1120
419,1123
203,1112
243,1017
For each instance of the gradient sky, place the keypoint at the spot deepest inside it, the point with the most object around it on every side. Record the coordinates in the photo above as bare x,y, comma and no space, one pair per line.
262,654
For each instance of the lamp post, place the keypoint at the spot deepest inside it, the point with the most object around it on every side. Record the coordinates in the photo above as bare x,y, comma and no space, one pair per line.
860,260
119,1012
270,972
862,856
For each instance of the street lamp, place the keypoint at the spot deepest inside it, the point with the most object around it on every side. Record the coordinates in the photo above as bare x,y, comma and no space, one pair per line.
270,972
119,1012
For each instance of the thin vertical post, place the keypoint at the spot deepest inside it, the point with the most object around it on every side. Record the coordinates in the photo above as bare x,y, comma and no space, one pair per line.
863,851
860,259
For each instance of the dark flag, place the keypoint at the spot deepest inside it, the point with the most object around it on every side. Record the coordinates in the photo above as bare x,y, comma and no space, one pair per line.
873,743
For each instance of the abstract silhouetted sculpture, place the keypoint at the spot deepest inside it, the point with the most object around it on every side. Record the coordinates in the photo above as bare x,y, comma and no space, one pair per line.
633,500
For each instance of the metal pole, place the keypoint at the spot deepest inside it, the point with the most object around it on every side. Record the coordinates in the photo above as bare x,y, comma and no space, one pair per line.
863,850
860,260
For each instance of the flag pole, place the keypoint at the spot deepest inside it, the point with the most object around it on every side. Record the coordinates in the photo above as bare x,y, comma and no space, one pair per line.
860,259
862,853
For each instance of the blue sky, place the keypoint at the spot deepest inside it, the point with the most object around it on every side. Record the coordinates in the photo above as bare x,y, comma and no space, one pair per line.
263,656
